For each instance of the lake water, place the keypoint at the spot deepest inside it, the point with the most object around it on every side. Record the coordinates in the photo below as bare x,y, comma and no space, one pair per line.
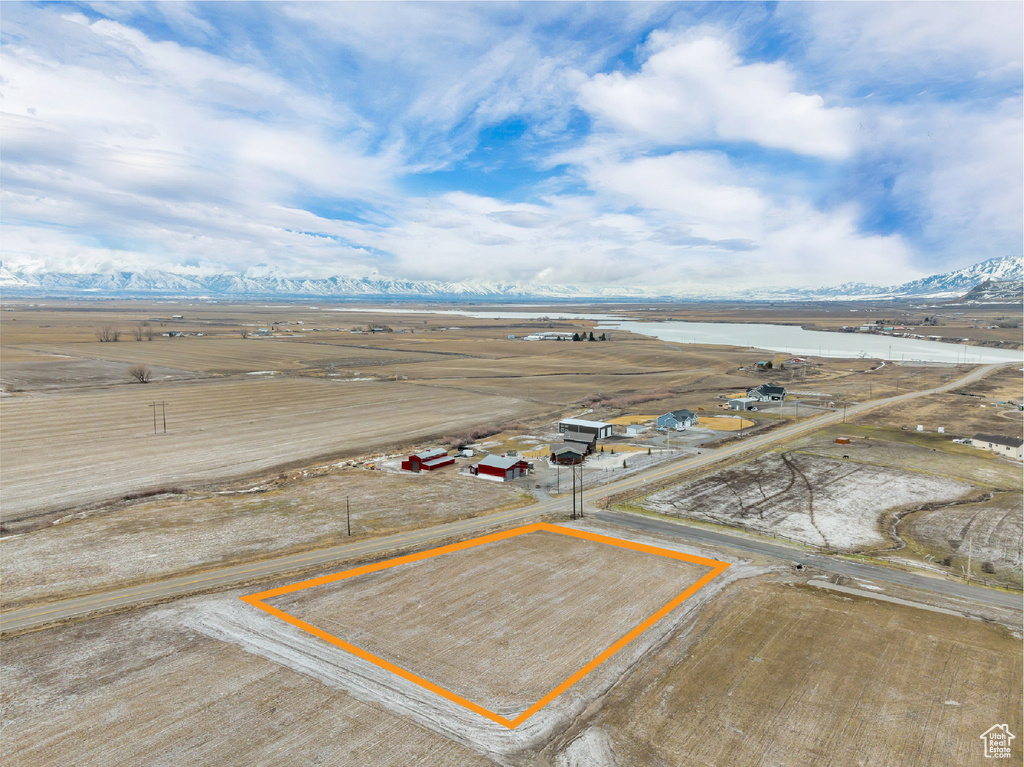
792,339
789,339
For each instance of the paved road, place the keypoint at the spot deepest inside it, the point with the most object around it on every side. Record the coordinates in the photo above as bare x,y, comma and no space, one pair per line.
170,588
936,585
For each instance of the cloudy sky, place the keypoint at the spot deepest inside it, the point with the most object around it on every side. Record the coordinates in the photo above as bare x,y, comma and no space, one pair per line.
627,144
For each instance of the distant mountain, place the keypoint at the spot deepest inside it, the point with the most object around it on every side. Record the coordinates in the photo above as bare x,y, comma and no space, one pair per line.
1009,269
995,292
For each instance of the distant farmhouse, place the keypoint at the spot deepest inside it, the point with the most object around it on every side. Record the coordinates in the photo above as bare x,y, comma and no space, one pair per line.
428,460
599,429
550,336
677,419
501,468
767,393
1010,447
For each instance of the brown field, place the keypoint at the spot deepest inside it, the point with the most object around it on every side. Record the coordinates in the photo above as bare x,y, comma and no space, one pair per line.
960,416
238,355
484,626
198,530
776,674
78,433
146,689
923,452
65,450
990,532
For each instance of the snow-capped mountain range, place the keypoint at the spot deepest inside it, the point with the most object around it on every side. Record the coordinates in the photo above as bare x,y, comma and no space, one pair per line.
150,283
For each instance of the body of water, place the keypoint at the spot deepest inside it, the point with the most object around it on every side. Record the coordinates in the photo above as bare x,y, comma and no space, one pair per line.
788,339
793,339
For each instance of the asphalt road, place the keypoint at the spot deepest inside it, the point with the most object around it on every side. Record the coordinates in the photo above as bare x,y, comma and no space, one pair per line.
170,588
935,585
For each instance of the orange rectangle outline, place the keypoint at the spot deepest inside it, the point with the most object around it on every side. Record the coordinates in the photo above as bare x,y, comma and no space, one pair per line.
256,600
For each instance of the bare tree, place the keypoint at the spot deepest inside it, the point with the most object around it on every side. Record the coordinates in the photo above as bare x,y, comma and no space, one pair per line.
140,373
138,332
244,332
108,334
150,333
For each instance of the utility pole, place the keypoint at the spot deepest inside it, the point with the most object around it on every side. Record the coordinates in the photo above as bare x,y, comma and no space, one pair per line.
577,481
844,412
163,411
348,516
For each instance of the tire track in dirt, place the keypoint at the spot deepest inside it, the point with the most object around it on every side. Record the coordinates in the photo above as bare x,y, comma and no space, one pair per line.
786,457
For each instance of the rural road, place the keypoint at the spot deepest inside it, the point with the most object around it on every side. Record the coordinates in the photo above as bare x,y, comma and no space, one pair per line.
936,585
170,588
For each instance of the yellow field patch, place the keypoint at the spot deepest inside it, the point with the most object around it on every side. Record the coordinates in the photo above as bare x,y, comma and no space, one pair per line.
627,420
724,422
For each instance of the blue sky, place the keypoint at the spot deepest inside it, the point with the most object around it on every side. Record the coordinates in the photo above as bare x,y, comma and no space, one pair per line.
694,145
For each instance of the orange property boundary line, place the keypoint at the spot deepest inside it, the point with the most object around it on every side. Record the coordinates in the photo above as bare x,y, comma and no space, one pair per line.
716,569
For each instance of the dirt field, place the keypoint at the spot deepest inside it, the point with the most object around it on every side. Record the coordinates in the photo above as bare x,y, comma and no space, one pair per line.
992,532
775,674
213,680
835,504
915,451
200,530
444,618
64,450
143,688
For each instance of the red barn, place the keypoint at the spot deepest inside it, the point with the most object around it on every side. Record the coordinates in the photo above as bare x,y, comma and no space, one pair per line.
501,467
428,460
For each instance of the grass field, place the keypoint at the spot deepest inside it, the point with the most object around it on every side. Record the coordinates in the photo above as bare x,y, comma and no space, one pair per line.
64,450
776,674
202,530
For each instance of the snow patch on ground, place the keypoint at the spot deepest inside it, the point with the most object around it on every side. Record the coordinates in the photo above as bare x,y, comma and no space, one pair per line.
809,499
591,749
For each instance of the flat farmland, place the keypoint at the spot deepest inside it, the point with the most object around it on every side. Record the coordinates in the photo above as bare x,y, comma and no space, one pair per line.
491,623
835,504
990,533
198,530
64,450
144,688
234,355
775,674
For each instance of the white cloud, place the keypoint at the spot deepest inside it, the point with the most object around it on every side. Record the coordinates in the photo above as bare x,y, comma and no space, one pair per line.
696,88
924,42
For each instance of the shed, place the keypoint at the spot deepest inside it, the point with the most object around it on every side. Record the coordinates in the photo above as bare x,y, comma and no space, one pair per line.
567,454
743,403
599,429
501,468
428,460
587,441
